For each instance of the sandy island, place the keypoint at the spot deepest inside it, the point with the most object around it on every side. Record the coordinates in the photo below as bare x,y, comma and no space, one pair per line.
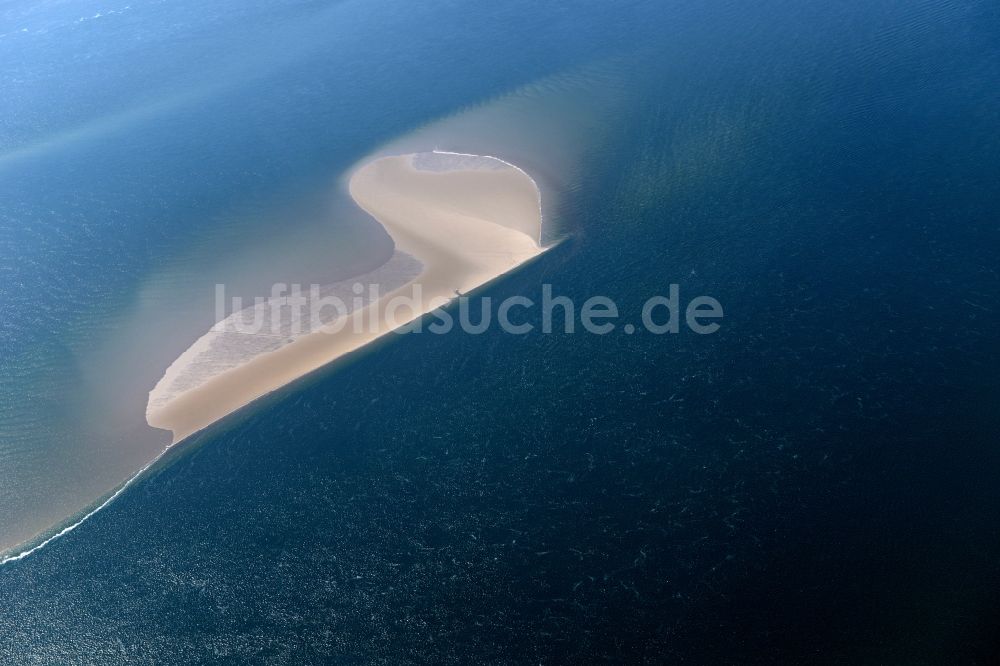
466,219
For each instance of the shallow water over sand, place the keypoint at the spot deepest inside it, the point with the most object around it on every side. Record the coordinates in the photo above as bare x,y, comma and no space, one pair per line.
264,204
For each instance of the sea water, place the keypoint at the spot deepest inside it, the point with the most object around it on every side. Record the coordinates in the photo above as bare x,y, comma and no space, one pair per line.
814,481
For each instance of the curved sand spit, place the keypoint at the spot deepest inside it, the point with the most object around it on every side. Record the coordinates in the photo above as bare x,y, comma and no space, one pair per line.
466,219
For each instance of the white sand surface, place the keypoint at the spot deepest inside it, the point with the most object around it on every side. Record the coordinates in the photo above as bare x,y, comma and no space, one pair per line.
467,219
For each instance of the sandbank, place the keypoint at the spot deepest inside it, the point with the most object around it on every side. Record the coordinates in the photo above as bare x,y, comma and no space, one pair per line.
467,219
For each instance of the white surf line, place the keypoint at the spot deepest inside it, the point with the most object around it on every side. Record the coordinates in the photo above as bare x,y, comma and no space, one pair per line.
538,190
128,483
66,530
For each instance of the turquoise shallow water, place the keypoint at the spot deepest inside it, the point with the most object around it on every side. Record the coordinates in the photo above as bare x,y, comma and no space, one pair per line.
815,483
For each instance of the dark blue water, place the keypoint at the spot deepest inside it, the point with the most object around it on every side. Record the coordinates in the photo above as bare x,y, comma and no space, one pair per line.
816,483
